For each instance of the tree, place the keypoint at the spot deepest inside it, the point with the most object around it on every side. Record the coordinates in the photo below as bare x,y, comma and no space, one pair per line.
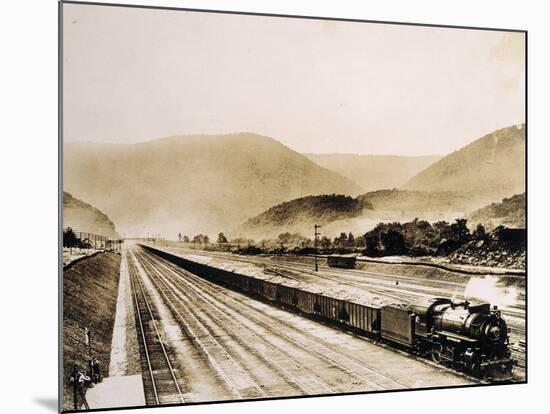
240,240
442,230
393,242
351,240
360,242
179,236
479,233
341,241
205,239
69,238
372,244
325,242
222,238
285,237
459,231
185,239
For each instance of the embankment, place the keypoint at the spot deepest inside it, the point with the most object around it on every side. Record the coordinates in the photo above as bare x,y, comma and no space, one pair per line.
90,289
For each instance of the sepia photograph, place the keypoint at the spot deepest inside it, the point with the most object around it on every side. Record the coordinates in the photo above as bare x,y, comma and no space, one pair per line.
260,206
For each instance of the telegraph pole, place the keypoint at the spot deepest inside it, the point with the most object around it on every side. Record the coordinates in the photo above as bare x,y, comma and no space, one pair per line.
316,233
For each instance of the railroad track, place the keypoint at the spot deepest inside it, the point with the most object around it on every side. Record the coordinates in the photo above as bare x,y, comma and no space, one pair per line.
292,371
519,355
356,278
237,380
161,384
230,310
291,273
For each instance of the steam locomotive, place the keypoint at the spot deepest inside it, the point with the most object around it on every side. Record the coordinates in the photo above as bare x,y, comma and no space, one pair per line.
468,337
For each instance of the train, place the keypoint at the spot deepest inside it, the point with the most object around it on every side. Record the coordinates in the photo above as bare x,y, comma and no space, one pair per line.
465,336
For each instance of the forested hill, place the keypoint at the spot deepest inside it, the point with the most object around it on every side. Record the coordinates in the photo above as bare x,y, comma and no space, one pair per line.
488,169
510,212
81,216
299,215
319,209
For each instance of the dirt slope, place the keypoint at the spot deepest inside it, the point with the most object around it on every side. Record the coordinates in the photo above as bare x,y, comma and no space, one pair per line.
90,289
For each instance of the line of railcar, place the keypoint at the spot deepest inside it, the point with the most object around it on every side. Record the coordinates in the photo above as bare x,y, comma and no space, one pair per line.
467,337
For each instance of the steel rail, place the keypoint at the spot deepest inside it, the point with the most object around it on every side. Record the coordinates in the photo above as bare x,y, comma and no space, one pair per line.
161,342
250,345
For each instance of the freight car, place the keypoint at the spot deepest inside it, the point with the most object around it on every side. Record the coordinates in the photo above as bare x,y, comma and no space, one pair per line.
468,337
346,262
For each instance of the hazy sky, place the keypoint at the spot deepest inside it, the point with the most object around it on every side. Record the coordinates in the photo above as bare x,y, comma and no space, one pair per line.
133,75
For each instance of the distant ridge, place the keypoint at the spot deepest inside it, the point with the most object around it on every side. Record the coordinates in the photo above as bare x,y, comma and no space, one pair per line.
488,169
193,184
374,172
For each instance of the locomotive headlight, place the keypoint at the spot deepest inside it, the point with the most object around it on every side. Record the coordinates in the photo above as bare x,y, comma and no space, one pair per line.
494,332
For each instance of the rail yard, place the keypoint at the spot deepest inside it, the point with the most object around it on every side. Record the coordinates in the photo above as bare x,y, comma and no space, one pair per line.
360,282
201,341
213,326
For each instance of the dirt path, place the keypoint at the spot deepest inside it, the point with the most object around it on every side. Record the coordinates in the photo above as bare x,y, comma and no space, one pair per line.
124,349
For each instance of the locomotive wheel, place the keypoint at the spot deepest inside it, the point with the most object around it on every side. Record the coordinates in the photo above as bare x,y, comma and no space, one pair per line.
437,350
476,370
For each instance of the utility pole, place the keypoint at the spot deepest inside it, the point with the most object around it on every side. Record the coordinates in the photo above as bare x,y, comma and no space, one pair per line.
316,233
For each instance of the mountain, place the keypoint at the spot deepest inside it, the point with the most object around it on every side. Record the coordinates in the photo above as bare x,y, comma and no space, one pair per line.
510,212
374,172
488,169
338,213
422,203
192,184
301,214
81,216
